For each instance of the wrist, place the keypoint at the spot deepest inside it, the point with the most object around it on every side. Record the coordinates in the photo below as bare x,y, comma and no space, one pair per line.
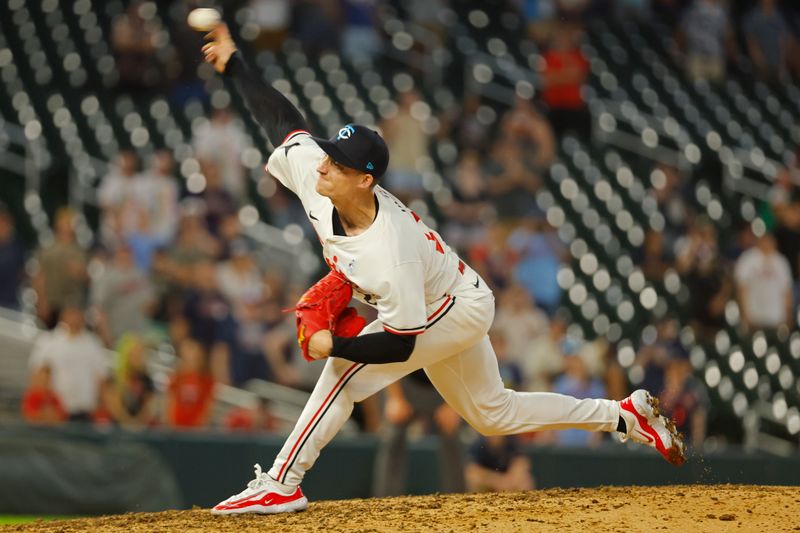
232,64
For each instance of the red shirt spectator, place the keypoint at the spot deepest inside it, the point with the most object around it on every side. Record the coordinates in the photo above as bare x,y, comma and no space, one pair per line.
40,403
259,418
564,74
191,390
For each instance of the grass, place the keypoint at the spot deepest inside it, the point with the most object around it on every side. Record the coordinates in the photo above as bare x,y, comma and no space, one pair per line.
25,519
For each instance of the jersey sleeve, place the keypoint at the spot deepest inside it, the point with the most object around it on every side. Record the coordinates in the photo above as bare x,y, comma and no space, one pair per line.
402,310
294,163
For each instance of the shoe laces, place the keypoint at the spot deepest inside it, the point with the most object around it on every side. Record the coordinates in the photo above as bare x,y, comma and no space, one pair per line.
262,478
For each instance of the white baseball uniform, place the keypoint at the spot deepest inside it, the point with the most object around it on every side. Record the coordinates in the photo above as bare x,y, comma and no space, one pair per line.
419,287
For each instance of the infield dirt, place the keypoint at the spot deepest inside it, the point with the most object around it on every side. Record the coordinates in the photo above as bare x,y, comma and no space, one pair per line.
679,508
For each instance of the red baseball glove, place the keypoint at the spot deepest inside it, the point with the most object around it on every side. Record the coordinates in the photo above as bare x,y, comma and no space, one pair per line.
324,306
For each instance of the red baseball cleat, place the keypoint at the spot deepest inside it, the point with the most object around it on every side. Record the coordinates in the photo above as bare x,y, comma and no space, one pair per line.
646,426
263,495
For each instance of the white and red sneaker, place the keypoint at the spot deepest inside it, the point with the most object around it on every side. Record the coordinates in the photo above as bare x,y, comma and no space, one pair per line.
263,495
646,426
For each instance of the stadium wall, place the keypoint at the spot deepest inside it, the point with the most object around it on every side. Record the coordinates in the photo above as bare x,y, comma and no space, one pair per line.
83,471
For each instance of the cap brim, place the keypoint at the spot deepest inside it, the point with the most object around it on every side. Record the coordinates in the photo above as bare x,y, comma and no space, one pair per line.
335,153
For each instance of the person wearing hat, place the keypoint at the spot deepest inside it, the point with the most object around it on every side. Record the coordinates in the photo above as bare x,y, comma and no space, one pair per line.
434,311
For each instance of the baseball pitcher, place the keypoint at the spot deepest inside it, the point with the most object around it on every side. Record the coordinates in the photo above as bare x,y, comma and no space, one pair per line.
434,311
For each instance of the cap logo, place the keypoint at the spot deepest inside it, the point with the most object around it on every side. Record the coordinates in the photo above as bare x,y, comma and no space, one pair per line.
370,166
345,132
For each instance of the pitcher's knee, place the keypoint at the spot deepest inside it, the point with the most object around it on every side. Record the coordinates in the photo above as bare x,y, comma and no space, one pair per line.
494,418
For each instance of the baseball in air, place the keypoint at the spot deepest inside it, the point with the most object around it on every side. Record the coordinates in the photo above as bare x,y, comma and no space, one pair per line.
203,18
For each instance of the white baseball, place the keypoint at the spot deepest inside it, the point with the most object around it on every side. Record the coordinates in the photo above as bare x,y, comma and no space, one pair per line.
203,19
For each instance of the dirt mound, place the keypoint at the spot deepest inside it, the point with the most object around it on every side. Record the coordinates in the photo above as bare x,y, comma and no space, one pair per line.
716,508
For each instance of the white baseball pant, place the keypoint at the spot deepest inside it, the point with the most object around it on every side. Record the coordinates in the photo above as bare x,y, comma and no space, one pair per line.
457,356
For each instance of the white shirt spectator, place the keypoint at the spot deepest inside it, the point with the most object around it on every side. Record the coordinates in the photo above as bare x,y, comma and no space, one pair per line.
239,282
764,280
77,365
223,141
160,196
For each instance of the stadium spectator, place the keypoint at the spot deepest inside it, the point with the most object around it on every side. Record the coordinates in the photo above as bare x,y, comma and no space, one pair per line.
520,323
210,315
190,393
258,418
577,382
158,193
655,260
239,278
407,141
684,399
785,206
491,257
768,40
524,125
539,252
131,400
415,398
497,464
705,36
539,16
120,198
77,363
469,210
764,286
40,404
60,275
565,72
122,297
512,181
12,261
136,38
243,341
217,202
360,39
193,245
655,357
707,278
469,130
221,141
545,359
271,17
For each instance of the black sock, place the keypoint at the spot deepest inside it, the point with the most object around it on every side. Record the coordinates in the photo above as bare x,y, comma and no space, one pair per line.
622,427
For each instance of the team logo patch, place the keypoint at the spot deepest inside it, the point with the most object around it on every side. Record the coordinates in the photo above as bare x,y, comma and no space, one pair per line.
346,132
370,166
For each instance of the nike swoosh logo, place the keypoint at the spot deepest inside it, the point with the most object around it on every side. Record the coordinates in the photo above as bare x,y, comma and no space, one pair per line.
289,147
311,216
477,282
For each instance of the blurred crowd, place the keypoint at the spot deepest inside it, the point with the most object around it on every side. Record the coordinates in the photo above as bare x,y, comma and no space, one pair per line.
172,269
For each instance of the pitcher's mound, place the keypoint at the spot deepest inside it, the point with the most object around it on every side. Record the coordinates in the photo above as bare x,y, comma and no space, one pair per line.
713,508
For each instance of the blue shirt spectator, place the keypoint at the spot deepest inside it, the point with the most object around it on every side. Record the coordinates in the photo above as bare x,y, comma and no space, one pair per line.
539,261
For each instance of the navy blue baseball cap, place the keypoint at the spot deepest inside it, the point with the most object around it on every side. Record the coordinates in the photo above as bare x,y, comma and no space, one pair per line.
357,147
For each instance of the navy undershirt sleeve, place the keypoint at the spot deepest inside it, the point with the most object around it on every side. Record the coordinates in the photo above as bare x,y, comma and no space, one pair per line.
272,110
374,348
